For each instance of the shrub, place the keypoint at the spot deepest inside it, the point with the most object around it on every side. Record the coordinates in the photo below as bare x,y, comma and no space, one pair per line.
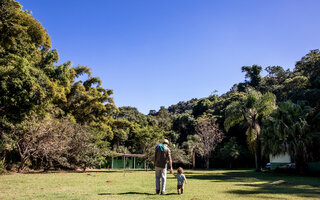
2,168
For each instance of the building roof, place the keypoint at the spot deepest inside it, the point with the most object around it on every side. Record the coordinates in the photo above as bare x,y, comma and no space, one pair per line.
130,155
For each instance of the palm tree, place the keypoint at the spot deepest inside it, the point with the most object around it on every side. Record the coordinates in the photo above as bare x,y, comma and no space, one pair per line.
290,130
194,146
250,111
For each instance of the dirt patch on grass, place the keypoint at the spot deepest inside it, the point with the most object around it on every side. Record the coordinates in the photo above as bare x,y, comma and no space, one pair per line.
279,182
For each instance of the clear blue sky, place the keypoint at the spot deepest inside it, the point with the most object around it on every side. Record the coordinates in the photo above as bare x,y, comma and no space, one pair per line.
154,53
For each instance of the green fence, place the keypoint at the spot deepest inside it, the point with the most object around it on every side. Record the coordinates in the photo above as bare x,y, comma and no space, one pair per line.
131,162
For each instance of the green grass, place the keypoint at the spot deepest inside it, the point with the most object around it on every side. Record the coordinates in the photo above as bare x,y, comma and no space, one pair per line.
216,184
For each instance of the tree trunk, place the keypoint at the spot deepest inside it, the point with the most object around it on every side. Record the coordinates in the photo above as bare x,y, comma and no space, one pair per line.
256,161
21,165
208,162
4,156
146,165
23,159
300,159
193,160
258,155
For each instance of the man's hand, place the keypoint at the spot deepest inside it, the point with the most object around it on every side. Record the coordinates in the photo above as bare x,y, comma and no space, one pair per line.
171,171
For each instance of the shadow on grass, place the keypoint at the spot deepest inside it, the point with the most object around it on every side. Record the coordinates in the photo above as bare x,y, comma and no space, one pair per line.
252,176
291,189
295,185
68,172
131,193
83,172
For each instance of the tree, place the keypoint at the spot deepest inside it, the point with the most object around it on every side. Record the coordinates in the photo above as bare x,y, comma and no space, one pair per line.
21,34
194,146
121,129
274,82
210,135
29,80
50,142
25,53
146,138
307,71
133,115
24,89
289,129
201,107
182,106
183,124
230,151
178,155
250,111
31,85
253,73
309,66
163,118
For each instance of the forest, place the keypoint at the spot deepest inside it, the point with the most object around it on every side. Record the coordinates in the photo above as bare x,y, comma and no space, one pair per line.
58,116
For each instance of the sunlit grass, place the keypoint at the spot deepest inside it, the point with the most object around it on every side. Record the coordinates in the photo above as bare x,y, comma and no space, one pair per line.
114,184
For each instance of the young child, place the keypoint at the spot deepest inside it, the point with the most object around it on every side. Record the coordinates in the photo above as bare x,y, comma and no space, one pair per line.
181,179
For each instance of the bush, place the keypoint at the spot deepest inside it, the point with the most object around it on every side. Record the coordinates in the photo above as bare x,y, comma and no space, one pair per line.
2,168
52,143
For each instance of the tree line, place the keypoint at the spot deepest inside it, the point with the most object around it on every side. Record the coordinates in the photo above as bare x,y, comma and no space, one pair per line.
59,116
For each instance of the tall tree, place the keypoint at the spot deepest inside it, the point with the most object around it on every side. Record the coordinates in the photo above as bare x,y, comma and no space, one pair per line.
201,107
182,106
210,135
183,125
145,140
250,111
274,81
21,35
308,70
289,129
87,102
25,52
194,146
253,73
309,66
25,59
30,83
230,151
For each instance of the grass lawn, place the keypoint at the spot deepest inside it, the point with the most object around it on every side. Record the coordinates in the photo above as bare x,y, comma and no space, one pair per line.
215,184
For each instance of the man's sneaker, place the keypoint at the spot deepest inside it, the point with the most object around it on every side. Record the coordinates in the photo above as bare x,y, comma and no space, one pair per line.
157,191
163,193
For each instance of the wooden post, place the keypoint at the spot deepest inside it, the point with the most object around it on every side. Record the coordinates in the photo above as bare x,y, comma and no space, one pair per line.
124,162
112,162
124,165
134,162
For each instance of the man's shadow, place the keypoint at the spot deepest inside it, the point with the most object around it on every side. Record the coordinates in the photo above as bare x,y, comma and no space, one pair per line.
131,193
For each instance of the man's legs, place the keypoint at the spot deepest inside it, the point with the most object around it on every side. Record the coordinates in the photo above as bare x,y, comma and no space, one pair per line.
161,173
164,178
158,176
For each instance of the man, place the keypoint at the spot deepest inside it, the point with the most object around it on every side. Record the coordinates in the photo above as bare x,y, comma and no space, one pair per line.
162,155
